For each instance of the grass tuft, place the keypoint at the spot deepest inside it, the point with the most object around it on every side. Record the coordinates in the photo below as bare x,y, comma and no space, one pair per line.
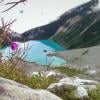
68,71
94,94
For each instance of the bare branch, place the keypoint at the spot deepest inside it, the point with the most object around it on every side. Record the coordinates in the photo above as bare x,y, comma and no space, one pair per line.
5,30
11,22
13,4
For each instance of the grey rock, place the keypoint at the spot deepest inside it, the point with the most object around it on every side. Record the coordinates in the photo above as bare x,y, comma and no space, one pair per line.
81,92
79,86
10,90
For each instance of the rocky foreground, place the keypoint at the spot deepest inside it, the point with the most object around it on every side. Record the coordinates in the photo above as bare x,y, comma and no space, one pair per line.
11,90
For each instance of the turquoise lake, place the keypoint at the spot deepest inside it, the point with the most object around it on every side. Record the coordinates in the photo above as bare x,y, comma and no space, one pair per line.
35,52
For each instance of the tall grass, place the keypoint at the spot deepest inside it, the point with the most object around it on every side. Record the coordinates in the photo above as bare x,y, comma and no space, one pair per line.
17,74
95,93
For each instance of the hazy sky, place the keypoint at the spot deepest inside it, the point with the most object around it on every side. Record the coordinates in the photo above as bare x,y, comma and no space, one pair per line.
37,12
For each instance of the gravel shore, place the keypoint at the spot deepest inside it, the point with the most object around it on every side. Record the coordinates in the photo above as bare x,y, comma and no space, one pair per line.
29,67
85,57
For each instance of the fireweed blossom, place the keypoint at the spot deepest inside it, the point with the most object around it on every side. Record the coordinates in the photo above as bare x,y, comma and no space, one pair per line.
14,46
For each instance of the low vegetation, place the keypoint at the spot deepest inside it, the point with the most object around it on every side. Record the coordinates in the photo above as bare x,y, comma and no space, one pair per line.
67,93
95,94
18,75
68,71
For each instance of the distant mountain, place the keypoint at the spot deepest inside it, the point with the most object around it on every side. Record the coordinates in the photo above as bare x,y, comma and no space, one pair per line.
82,29
77,28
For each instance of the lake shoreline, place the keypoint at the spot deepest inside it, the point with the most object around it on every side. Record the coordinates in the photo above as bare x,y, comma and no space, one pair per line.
84,57
36,51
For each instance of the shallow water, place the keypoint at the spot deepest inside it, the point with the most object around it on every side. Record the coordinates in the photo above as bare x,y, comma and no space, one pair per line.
37,52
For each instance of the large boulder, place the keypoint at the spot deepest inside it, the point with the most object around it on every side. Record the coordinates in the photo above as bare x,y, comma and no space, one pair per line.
10,90
79,86
76,81
79,81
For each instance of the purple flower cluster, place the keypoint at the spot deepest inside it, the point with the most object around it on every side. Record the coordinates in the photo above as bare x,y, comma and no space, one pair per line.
14,46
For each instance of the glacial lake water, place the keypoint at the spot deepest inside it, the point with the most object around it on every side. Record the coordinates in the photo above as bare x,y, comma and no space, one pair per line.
37,52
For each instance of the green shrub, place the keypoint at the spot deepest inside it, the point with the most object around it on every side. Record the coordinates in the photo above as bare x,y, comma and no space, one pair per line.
95,93
18,75
67,93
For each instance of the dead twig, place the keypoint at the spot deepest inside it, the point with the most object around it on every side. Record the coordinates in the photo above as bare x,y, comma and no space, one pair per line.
14,4
5,30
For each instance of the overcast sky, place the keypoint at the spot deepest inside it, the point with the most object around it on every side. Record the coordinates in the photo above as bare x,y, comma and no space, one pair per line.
37,12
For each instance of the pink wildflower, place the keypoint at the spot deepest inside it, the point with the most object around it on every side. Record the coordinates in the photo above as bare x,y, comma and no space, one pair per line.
14,46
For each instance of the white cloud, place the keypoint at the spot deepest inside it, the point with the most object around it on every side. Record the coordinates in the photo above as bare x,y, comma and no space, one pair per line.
97,8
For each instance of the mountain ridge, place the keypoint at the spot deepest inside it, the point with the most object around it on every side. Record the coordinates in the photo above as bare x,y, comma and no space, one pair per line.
72,23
